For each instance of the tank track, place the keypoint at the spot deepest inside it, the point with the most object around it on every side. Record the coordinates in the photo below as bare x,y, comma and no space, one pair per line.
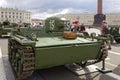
22,59
0,33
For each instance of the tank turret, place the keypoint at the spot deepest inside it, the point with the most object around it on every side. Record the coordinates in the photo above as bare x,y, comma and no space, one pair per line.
56,24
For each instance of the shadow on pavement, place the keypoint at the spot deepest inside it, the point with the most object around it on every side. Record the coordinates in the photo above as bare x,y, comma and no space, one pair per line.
55,73
59,73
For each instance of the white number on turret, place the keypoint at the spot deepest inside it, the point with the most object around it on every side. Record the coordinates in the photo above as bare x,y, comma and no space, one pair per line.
67,25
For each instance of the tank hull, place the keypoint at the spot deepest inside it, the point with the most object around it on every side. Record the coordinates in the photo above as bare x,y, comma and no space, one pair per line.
54,56
32,48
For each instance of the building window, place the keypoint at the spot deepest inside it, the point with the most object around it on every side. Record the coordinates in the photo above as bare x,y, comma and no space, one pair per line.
1,12
9,12
5,16
9,16
1,16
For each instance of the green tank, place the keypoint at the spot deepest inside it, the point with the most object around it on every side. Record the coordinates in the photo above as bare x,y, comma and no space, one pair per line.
6,27
40,48
115,32
0,31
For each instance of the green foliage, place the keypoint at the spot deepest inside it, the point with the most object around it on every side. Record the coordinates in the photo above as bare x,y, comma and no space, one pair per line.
6,23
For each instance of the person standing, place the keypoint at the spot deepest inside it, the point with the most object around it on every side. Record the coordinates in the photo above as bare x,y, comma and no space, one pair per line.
82,28
75,26
104,28
106,33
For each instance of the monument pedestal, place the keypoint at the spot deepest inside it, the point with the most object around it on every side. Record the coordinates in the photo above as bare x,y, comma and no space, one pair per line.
98,18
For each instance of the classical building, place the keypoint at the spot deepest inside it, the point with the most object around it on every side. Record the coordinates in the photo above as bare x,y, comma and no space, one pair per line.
15,15
88,19
85,18
36,21
113,19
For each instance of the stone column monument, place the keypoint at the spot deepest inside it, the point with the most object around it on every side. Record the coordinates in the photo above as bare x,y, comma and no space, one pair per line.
99,17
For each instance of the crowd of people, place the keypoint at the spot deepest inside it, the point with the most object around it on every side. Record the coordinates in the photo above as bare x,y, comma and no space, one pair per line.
75,27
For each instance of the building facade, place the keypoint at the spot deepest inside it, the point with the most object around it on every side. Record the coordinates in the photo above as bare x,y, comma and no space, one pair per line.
15,15
85,18
36,22
112,19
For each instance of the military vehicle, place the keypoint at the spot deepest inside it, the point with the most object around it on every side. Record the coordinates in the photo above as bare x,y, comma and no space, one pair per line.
6,27
115,32
40,48
0,30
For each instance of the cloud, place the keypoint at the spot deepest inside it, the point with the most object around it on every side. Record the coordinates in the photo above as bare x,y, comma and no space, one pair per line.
3,3
42,8
45,14
53,5
111,6
63,11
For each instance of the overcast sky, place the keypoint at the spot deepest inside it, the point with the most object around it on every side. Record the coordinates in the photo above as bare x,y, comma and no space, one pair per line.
44,8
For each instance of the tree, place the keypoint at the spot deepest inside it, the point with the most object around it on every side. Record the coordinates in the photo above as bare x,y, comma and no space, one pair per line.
6,22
